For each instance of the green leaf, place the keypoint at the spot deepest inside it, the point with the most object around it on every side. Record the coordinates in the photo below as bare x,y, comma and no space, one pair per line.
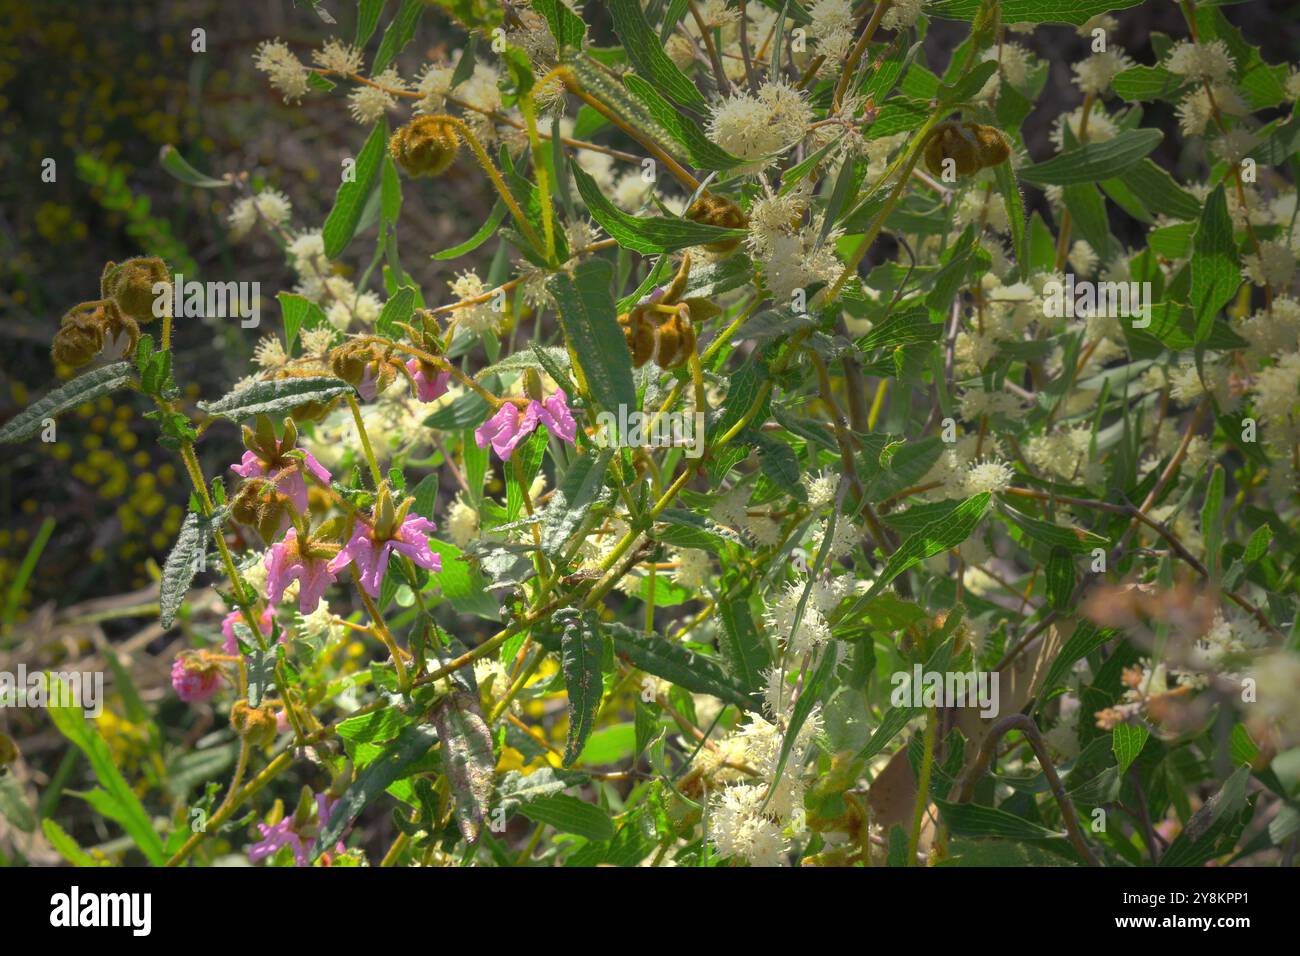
1213,828
585,302
83,388
678,664
947,532
185,560
367,20
741,645
685,529
467,756
1143,83
1093,162
1212,519
126,807
350,200
296,312
581,487
485,232
1009,186
1085,639
646,234
1060,578
648,56
174,163
398,308
1216,270
1077,12
1127,741
277,395
1088,210
571,815
1052,535
1159,191
974,820
566,26
702,151
580,654
1257,545
902,328
462,583
66,846
398,33
390,191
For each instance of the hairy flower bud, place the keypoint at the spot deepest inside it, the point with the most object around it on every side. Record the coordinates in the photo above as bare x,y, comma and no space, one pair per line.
718,211
971,147
81,336
257,725
426,146
131,285
259,505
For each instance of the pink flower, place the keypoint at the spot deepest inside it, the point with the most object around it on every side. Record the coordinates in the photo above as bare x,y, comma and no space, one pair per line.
371,554
231,644
288,479
284,833
428,388
367,388
507,428
285,563
193,678
555,415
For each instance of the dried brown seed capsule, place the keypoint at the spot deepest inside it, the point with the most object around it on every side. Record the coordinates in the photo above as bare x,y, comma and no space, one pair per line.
638,329
426,146
259,505
77,343
718,211
952,142
131,286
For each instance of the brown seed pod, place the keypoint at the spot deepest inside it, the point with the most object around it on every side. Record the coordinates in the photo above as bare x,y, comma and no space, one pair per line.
713,210
993,145
81,336
426,146
259,505
954,142
131,286
639,330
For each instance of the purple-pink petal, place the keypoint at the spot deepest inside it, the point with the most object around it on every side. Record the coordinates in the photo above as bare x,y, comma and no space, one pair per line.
555,415
250,466
427,388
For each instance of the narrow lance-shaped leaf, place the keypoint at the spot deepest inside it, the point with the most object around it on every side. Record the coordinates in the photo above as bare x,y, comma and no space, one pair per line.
585,302
580,652
277,395
83,388
468,757
1216,270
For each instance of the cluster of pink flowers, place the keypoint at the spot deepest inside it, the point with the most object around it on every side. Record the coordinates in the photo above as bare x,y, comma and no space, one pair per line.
509,426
